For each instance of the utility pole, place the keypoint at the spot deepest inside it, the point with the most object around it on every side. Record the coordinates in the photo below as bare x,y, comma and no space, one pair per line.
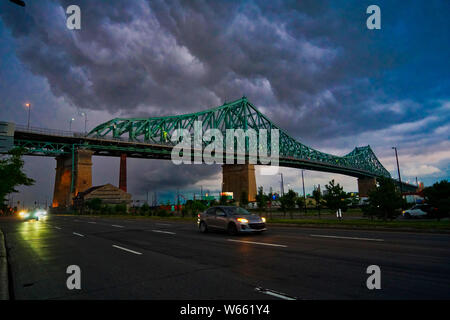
28,105
85,121
304,194
399,177
282,185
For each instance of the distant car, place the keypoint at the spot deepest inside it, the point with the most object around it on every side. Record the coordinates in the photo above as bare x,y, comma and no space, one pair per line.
231,219
34,214
420,211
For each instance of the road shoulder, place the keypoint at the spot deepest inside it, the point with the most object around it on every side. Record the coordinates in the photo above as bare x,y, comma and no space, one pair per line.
4,286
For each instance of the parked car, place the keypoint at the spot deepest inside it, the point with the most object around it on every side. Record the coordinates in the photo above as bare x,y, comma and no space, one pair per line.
231,219
420,211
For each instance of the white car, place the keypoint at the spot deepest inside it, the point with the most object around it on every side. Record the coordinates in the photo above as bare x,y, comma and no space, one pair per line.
419,211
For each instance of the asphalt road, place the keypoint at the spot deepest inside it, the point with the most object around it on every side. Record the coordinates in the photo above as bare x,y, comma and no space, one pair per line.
148,259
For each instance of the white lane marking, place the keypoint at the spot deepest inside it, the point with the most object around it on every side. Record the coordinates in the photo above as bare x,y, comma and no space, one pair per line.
163,224
117,226
348,238
274,293
58,228
93,222
160,231
260,243
78,234
122,248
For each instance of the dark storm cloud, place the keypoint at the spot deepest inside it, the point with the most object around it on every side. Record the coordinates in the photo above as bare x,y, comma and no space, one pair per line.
311,66
160,175
179,56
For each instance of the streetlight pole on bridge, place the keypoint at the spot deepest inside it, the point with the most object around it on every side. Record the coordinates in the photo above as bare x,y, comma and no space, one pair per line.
70,123
28,105
304,194
399,177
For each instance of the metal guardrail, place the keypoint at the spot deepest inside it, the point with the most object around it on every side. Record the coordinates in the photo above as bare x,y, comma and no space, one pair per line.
51,132
74,134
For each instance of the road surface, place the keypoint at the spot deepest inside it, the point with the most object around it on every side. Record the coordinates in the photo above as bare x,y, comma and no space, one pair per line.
149,259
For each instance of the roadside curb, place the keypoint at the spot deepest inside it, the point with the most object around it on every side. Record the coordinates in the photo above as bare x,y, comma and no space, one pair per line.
4,287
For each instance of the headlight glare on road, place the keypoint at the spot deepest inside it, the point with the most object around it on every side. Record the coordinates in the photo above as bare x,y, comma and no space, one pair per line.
263,219
23,214
242,220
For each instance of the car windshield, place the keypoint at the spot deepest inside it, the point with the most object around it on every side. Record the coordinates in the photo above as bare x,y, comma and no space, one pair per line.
236,211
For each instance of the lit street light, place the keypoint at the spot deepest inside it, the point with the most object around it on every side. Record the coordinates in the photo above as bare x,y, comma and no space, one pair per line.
70,123
28,105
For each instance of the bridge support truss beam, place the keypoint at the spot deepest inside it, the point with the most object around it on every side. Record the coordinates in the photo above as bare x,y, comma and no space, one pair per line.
73,175
239,179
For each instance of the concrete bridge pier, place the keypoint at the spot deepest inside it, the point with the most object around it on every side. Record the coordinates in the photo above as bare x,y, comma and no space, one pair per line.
65,187
239,178
123,172
366,185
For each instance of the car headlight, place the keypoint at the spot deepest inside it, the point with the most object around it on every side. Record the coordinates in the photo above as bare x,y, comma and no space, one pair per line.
242,220
263,219
23,214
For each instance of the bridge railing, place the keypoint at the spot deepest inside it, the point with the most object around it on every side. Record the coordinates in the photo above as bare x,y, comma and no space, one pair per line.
52,132
75,134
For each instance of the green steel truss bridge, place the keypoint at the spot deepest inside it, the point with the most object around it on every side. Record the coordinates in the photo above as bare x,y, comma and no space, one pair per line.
150,138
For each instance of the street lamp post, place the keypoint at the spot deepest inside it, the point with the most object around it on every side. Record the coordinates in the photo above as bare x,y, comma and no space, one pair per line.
70,124
282,185
84,114
399,177
28,105
304,194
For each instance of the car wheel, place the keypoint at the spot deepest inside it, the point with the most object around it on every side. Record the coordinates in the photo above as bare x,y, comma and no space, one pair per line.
232,230
203,227
407,216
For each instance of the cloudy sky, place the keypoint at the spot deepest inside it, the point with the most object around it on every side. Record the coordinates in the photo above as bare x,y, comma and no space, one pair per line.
313,67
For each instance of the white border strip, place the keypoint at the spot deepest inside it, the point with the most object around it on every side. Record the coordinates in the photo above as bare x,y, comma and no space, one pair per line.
125,249
260,243
348,238
160,231
274,293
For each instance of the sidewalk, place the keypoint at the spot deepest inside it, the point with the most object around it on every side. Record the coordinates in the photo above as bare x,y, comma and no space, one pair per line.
4,289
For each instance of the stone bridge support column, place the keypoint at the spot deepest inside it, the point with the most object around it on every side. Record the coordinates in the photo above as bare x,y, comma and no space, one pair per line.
82,177
123,172
239,178
365,185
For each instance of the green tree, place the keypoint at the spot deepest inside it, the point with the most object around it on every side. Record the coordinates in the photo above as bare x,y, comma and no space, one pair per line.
120,208
287,202
335,197
300,202
94,204
144,209
384,200
318,197
438,195
261,199
12,175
